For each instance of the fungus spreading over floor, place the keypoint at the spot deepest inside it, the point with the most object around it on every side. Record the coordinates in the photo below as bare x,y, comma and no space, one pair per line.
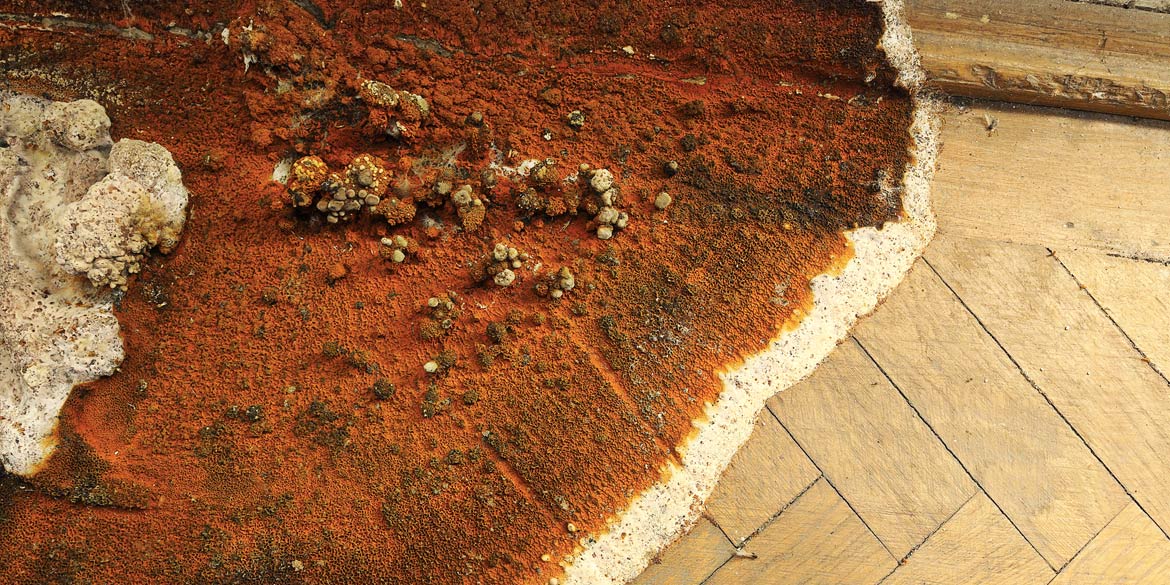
464,295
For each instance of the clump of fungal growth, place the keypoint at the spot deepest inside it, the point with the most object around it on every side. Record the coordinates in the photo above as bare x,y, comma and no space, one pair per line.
500,265
441,312
546,193
79,214
398,248
442,362
397,208
576,119
384,389
469,207
305,178
339,196
662,201
398,113
595,191
557,284
360,186
609,217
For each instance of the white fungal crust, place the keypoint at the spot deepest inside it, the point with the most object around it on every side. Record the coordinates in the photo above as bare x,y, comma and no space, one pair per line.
78,126
104,235
666,510
151,165
70,229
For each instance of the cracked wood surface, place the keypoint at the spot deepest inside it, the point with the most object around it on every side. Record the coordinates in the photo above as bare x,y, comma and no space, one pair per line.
1047,52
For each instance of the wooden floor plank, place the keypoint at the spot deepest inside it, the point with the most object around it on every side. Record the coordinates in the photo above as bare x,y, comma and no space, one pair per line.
1071,350
1057,179
818,539
1016,446
1129,551
764,476
978,546
1135,293
874,449
691,559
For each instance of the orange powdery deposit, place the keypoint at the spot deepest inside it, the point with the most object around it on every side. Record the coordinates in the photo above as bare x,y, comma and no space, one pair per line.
273,422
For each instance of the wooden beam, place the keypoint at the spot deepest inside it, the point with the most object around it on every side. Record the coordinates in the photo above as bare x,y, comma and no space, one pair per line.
1047,52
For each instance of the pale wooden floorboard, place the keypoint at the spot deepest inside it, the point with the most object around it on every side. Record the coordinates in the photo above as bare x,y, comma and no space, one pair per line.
764,477
1074,354
1027,459
1129,551
1055,178
978,546
1135,294
817,539
874,449
691,559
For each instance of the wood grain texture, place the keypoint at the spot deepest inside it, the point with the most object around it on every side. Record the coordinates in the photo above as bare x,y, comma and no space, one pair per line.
1026,458
1057,179
1073,353
690,559
874,449
818,539
1129,551
1135,294
1153,5
1047,52
978,546
765,476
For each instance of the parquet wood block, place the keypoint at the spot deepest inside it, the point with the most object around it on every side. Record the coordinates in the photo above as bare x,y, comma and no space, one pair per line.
874,449
1074,354
1135,294
1024,455
818,539
1129,551
978,546
765,476
1055,179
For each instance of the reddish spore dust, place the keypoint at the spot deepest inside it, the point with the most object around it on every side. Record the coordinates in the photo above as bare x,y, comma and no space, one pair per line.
241,441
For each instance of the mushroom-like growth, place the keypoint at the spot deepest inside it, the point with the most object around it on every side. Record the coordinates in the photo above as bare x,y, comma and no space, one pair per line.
305,178
469,207
398,113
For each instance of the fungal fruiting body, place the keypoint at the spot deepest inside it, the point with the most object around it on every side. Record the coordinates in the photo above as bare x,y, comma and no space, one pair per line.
80,214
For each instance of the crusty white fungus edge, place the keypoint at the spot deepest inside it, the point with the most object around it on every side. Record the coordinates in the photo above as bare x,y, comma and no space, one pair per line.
882,257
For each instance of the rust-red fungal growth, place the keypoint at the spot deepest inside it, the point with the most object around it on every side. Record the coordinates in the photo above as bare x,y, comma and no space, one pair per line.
278,417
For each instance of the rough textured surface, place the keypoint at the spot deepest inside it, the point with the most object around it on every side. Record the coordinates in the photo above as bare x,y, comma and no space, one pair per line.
302,401
62,217
140,205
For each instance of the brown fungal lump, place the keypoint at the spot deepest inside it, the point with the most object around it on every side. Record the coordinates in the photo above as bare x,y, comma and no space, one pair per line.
463,296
